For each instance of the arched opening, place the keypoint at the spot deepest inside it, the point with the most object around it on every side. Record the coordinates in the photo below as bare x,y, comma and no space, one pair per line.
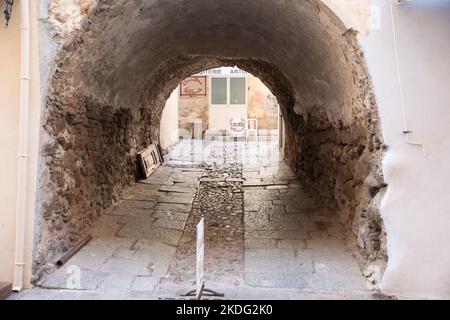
112,80
221,104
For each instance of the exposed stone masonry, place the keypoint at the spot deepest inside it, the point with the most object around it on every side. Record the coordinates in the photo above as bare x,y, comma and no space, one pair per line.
89,158
341,162
265,236
124,60
219,199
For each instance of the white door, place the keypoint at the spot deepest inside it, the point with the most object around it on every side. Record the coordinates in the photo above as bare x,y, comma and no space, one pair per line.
228,100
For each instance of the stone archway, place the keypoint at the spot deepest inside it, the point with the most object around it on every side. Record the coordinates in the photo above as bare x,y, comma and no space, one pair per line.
113,76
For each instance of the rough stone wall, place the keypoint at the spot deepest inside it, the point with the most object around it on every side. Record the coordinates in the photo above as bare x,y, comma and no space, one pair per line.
66,16
128,56
341,163
89,159
262,104
195,107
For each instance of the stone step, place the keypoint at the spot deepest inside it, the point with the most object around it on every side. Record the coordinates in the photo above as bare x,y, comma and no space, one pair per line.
5,290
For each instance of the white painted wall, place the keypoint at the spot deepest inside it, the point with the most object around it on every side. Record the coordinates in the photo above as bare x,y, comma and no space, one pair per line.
220,115
9,122
416,208
169,121
9,138
354,14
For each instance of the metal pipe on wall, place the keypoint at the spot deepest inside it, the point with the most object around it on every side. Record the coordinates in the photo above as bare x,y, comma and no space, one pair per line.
406,130
23,156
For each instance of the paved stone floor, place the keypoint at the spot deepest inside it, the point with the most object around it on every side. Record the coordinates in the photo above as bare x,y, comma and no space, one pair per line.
265,237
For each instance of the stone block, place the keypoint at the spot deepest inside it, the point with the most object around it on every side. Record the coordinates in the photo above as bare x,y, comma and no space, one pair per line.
277,280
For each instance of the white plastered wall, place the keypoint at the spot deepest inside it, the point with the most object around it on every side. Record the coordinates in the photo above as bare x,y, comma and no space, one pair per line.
415,209
9,138
9,119
169,121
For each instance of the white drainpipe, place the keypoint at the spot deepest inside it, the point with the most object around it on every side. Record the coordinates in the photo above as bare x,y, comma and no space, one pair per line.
21,211
406,130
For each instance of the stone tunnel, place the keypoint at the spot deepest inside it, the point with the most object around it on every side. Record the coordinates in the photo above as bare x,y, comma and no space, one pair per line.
112,77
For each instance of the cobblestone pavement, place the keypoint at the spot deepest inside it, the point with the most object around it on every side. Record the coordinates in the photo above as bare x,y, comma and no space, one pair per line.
219,199
265,237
